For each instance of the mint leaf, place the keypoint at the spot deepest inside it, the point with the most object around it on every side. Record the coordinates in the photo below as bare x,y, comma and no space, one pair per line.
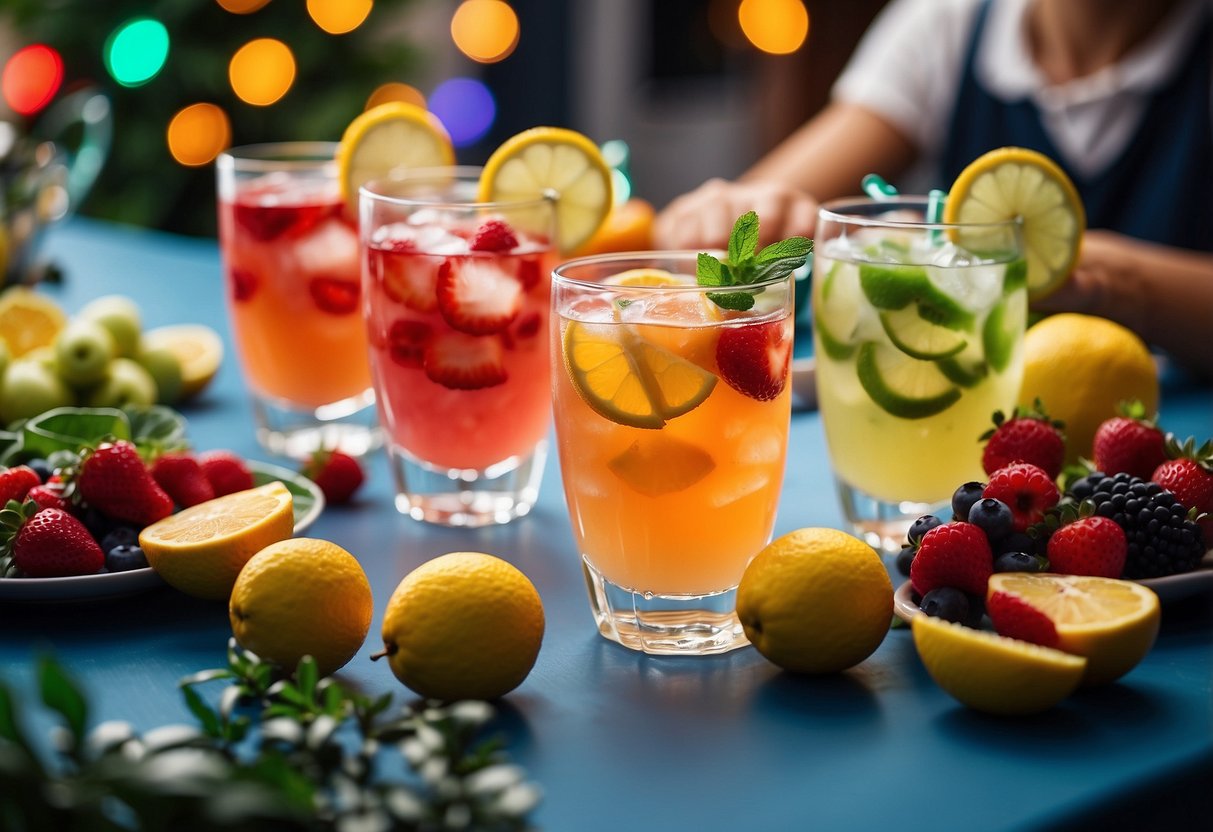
792,247
708,270
744,238
737,301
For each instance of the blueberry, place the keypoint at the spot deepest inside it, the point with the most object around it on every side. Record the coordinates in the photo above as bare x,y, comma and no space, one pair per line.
125,557
1019,562
119,536
947,603
921,526
904,558
41,467
993,517
964,498
96,522
1015,542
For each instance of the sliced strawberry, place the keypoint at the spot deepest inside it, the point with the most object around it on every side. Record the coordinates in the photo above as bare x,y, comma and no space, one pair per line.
529,272
244,284
528,327
334,295
1015,618
268,222
461,362
476,297
754,358
407,341
408,279
494,235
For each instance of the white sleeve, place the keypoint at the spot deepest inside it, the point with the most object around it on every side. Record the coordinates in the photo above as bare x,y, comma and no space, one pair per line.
907,67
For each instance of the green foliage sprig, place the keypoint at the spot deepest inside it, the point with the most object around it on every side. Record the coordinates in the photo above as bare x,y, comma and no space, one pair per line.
279,754
745,265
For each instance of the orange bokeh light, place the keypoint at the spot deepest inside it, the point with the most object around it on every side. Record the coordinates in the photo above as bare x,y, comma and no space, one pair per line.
198,133
779,27
262,71
485,30
339,16
241,6
395,91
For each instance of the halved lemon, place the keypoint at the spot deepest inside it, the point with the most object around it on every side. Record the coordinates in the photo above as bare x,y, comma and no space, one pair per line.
557,163
1016,182
1112,623
202,549
656,465
198,348
994,674
630,380
29,320
391,136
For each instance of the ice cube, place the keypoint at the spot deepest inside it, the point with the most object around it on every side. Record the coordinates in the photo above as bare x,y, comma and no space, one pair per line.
332,249
742,482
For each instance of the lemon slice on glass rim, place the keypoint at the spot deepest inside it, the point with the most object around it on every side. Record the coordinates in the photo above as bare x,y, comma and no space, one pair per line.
557,163
1015,182
391,136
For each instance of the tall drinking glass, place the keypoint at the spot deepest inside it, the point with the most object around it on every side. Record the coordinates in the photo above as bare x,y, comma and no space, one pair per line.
672,423
292,282
918,329
457,307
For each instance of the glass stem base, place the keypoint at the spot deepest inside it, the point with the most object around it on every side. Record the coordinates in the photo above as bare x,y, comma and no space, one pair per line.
350,426
883,525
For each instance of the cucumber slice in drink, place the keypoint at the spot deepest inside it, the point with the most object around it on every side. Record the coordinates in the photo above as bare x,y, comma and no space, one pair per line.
918,337
836,313
1003,328
903,386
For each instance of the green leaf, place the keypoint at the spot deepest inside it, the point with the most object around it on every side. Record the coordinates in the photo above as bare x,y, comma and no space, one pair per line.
71,429
307,674
791,247
202,712
737,301
61,694
206,676
9,729
156,428
744,238
708,270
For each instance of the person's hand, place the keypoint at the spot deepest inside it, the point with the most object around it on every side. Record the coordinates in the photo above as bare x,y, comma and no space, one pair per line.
704,217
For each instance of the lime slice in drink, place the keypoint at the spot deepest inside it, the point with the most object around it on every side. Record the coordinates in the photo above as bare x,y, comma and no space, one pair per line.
968,367
1016,277
1003,328
903,386
896,287
836,313
918,337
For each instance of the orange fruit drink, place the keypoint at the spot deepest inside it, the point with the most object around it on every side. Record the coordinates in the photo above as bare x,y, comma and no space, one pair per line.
671,421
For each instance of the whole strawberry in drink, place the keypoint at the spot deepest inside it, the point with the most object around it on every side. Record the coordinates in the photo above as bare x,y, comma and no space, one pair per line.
1028,436
48,542
1129,443
1188,474
114,480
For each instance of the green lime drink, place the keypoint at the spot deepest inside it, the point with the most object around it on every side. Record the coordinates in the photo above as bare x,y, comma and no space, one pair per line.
918,331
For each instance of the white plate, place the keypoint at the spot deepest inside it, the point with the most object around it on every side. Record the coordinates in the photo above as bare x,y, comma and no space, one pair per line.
309,502
1170,588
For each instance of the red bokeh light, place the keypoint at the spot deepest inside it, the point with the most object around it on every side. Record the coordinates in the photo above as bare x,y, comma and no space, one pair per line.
31,78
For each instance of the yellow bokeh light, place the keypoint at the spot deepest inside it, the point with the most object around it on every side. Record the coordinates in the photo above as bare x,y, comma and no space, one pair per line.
262,71
241,6
339,16
776,26
394,91
485,30
198,133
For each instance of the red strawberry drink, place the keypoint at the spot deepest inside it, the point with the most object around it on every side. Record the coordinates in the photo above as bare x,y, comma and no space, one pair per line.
292,282
457,320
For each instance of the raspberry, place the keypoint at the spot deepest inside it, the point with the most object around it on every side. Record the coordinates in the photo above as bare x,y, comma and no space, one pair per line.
955,555
1028,491
494,235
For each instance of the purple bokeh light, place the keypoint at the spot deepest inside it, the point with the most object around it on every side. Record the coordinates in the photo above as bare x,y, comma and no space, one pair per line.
466,108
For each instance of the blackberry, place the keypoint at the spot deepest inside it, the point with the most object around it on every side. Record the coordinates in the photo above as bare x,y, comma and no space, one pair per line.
1162,540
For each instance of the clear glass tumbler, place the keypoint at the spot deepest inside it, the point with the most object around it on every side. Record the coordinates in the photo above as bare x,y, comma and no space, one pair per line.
293,286
457,307
918,333
672,424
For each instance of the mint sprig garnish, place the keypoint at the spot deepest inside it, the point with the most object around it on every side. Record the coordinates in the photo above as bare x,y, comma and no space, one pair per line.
745,266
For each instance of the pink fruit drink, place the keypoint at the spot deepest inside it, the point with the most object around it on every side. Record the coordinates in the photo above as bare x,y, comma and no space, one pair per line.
293,286
457,322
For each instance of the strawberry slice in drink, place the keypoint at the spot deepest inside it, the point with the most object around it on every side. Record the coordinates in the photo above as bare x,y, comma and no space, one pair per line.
334,295
475,296
407,342
754,358
408,277
464,362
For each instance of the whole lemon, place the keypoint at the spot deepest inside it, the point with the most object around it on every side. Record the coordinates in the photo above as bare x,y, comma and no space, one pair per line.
816,601
465,625
1081,367
302,597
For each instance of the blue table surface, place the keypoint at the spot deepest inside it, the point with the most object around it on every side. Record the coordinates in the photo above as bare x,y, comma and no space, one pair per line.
616,738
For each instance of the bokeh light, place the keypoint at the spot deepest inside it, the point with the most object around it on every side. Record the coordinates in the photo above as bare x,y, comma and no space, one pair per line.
198,133
339,16
136,51
262,71
31,78
395,91
485,30
241,6
465,107
776,26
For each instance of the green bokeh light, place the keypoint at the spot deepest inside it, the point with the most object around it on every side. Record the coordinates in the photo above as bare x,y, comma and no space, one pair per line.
136,51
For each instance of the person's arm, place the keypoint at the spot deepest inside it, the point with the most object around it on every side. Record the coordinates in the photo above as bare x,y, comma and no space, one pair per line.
824,159
1163,294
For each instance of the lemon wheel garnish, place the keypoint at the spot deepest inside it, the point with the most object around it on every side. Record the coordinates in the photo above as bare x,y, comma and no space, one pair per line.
1015,182
558,163
644,277
392,136
629,380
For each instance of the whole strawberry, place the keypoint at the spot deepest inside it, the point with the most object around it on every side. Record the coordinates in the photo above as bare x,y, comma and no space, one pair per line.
1028,436
338,475
114,480
1130,443
226,472
182,478
1094,546
16,482
49,495
49,542
1188,474
1028,491
954,555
